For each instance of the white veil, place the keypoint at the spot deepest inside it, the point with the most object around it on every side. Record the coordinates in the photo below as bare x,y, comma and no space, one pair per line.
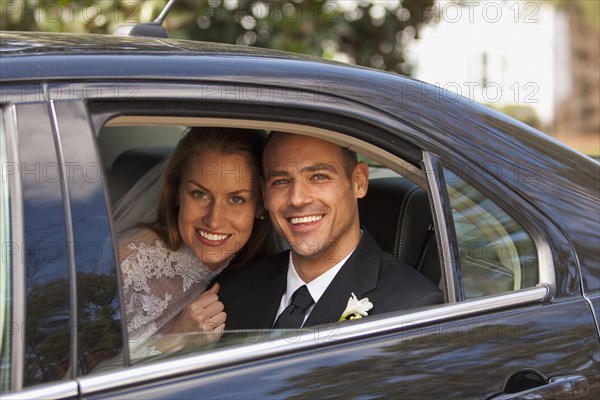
140,203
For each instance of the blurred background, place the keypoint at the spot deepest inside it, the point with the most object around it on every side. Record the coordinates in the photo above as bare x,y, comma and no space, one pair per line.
538,60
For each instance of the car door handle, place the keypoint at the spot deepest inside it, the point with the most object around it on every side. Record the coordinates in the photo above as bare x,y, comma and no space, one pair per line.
559,387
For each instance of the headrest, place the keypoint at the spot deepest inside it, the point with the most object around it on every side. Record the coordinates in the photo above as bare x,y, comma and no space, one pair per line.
131,165
397,214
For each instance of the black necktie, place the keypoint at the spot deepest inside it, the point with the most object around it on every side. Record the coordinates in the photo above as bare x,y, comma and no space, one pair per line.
293,315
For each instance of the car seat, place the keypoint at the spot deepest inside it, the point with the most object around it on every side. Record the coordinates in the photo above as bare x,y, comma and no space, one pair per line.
396,212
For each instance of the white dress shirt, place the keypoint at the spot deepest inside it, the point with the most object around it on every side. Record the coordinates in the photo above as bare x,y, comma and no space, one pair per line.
316,287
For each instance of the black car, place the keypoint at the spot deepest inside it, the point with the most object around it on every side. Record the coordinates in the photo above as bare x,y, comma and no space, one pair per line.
503,218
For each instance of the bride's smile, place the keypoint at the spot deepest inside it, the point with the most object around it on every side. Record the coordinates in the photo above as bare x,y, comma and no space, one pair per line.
218,198
212,239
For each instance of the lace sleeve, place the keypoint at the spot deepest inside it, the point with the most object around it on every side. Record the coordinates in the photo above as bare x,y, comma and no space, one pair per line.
157,284
143,306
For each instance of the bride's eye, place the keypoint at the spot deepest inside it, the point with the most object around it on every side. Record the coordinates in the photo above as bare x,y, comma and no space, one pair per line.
198,194
237,200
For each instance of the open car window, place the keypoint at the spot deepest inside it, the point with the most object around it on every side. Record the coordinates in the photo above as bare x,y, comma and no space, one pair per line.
395,212
496,255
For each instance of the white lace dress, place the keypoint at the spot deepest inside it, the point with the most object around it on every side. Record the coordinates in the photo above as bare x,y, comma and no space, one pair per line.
157,284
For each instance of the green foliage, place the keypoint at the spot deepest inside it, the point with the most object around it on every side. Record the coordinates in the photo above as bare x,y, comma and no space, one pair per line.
369,33
588,10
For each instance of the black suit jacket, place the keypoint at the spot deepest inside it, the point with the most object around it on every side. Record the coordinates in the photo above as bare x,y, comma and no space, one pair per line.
252,295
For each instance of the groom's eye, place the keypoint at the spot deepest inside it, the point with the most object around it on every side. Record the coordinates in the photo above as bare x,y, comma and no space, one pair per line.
320,177
277,182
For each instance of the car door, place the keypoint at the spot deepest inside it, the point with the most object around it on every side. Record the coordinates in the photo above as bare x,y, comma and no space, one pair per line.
538,336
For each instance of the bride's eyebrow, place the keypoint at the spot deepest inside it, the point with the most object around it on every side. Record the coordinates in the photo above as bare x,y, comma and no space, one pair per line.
199,185
207,190
241,191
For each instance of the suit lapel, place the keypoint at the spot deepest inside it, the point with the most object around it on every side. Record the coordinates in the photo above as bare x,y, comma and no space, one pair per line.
358,275
267,287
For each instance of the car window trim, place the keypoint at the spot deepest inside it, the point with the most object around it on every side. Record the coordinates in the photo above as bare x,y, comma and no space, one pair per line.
59,390
5,271
73,334
444,229
338,333
17,236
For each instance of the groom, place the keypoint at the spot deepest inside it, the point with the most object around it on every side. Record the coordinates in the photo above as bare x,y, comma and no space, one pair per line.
311,189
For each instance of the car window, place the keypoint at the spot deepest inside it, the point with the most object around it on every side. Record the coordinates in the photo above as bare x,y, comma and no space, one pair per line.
496,253
5,273
128,152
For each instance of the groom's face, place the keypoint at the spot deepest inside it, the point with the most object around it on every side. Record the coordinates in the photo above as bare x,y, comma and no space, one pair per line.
311,197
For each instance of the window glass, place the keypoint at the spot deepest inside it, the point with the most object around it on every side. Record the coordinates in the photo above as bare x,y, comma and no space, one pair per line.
5,271
496,253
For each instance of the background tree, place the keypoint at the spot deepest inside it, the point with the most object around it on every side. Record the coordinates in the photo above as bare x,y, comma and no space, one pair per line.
370,33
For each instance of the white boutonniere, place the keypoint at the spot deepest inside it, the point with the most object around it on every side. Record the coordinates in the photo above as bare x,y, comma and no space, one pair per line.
356,308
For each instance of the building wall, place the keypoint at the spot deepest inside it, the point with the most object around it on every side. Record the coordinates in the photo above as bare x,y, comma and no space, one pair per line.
578,113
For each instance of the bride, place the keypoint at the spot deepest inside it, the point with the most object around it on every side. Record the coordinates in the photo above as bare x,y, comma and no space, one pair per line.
209,216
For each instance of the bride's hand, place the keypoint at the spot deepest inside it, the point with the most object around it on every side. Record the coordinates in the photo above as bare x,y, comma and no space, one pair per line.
204,314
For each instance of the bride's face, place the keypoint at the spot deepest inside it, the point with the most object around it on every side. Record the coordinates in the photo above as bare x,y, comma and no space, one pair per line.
218,199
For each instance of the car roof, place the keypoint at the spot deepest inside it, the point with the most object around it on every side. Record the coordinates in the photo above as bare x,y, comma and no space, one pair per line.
36,43
20,47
